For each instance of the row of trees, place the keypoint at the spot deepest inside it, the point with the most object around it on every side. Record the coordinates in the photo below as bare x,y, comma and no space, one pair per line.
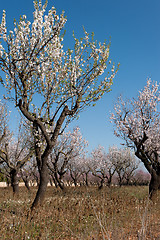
69,159
36,66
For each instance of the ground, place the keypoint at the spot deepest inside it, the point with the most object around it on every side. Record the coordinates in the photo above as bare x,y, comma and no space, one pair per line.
80,214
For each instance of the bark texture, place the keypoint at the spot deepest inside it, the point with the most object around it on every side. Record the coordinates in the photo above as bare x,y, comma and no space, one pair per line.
154,186
40,196
14,181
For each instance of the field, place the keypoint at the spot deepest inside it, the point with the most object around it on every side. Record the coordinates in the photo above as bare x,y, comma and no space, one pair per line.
80,214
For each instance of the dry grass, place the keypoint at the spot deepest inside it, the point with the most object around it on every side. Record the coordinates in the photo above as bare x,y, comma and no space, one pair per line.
81,214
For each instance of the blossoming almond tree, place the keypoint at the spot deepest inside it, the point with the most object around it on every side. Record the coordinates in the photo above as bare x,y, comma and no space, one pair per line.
85,170
51,86
75,168
69,147
137,122
14,155
124,162
101,166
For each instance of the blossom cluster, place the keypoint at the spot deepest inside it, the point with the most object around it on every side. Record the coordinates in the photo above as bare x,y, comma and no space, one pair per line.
35,63
138,121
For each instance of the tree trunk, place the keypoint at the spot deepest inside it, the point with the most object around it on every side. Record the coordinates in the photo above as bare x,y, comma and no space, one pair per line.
86,179
101,184
55,182
26,182
44,178
51,183
43,158
59,182
120,179
74,178
8,181
75,182
154,186
14,181
109,181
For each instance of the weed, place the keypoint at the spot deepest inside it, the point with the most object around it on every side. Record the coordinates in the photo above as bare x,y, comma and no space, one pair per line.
81,214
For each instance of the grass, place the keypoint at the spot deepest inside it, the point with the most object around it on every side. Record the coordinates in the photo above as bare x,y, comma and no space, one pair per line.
81,214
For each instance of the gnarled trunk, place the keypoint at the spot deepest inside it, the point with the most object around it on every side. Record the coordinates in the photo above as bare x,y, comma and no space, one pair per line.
44,178
26,182
101,184
109,181
154,186
43,158
154,170
55,182
85,178
14,181
59,182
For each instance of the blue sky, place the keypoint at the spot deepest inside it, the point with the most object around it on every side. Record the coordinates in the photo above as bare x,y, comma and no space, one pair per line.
134,28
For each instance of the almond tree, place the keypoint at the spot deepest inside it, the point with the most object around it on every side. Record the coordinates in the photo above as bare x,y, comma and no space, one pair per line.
26,177
51,86
29,173
69,147
101,166
16,152
75,168
137,122
85,170
131,169
124,163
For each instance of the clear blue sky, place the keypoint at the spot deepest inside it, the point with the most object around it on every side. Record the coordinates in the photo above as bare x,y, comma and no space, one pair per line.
134,28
